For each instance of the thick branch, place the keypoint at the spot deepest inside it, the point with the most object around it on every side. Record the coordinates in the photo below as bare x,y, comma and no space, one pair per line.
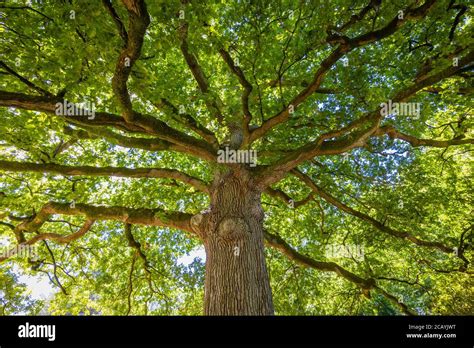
362,129
273,173
58,238
299,83
283,115
115,138
213,105
245,84
137,25
287,199
132,242
137,216
345,46
143,123
415,142
381,227
104,171
462,9
366,285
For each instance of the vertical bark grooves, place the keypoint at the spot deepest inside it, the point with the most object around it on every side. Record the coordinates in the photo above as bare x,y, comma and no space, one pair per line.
237,281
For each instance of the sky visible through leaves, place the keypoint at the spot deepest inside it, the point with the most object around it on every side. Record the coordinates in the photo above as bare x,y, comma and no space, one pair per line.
389,200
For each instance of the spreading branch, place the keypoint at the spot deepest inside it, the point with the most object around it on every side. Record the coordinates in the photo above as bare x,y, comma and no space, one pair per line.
137,216
118,22
92,133
345,45
393,133
139,20
104,171
188,121
245,94
55,237
356,133
132,242
24,80
145,124
29,8
212,103
366,285
378,225
461,10
287,199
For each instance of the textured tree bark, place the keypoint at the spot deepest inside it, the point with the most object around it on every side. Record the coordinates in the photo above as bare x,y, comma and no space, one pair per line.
236,281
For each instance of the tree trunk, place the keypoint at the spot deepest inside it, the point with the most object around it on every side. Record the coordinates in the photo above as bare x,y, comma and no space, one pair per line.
237,281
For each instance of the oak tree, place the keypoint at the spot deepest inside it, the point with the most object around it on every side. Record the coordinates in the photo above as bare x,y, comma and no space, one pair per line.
346,182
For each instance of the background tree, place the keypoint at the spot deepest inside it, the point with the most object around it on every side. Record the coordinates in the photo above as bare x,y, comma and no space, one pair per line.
361,212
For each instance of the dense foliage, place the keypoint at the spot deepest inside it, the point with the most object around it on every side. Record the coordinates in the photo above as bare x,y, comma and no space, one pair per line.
420,185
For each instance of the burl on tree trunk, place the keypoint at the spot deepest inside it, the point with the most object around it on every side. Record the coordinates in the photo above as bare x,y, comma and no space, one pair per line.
237,281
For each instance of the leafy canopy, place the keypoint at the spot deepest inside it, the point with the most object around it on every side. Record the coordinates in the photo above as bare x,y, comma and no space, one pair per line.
303,81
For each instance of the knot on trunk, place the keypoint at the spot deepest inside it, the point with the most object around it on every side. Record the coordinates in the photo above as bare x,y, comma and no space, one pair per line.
232,228
198,224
